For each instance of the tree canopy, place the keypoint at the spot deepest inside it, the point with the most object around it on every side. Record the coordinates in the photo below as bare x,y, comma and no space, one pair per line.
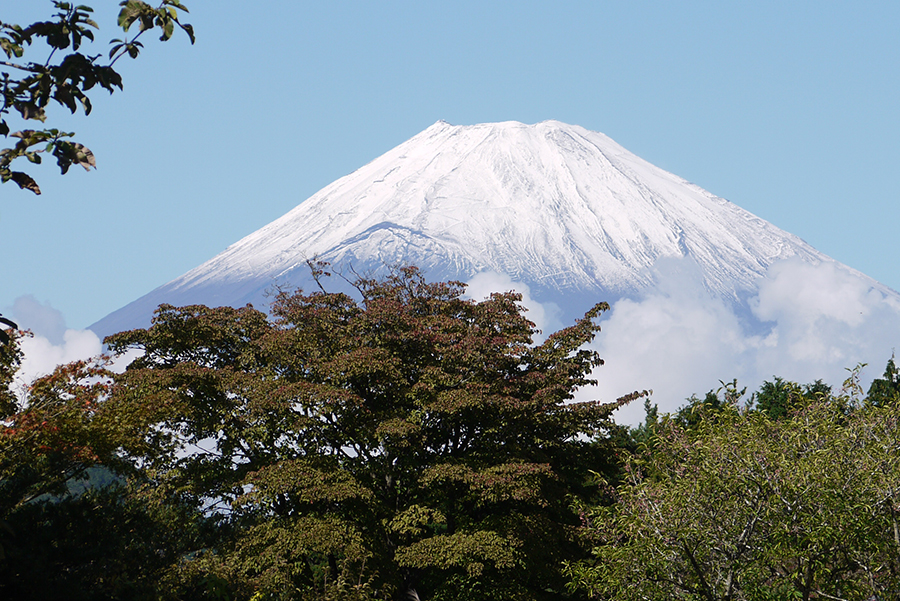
402,442
77,518
405,442
748,503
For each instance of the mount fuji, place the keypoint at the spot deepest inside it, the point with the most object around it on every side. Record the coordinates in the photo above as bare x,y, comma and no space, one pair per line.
564,210
701,290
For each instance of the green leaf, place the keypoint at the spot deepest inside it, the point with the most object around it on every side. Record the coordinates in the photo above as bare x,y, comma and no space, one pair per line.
168,29
131,11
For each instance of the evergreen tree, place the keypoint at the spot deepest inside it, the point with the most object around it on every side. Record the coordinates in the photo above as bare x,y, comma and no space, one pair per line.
885,391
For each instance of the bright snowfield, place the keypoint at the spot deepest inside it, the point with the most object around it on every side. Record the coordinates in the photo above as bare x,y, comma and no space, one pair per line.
701,289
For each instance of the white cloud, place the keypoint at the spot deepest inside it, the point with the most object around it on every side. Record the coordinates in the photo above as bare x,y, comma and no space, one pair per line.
825,315
678,340
52,343
804,323
40,318
41,356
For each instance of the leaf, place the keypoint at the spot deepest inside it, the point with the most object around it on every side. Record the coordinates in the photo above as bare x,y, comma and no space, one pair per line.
10,48
117,43
25,182
188,29
168,28
30,110
84,157
132,10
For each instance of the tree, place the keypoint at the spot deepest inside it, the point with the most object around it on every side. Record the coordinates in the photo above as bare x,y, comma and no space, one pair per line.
29,86
780,397
114,540
748,506
78,520
885,391
10,359
406,444
55,434
728,395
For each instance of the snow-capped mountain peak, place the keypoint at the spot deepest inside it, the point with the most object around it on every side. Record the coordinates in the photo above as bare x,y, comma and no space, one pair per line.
556,206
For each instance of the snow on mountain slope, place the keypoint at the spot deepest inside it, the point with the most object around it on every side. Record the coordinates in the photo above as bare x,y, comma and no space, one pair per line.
563,209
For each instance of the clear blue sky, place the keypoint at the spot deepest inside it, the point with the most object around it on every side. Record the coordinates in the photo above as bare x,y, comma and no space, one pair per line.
789,110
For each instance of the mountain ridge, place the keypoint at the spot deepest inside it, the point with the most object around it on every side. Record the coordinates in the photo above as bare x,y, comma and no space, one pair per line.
555,206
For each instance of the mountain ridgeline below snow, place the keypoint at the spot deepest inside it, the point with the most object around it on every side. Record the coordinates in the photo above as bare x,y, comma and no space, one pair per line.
564,210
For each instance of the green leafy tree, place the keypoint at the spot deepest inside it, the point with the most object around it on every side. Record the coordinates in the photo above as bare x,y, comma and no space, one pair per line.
54,434
885,391
728,395
10,359
744,506
78,520
405,444
779,397
64,75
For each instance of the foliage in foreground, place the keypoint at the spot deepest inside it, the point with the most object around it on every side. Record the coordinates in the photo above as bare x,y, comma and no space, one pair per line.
742,503
407,443
77,519
402,443
64,76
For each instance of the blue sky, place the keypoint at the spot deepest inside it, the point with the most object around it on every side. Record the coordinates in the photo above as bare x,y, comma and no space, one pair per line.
790,110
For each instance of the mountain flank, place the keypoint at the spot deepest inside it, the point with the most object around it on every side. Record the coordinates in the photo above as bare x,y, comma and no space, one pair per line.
563,210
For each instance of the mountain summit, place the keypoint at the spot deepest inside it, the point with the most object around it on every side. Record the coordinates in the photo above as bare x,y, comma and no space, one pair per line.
564,210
